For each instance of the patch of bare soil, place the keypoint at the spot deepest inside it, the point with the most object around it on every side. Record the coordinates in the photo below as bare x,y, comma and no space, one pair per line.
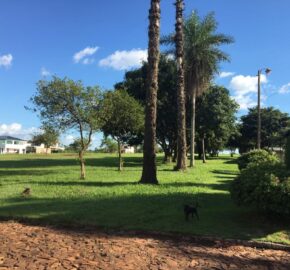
35,247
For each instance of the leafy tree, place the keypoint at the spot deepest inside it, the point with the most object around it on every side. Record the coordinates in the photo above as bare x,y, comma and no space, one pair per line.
123,118
66,104
202,58
273,129
181,130
215,119
135,84
48,137
149,172
233,142
108,145
76,145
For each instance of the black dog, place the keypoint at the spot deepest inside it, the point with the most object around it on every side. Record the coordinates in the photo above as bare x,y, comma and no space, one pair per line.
191,209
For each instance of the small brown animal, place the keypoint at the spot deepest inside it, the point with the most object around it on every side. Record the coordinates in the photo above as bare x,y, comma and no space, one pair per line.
26,192
191,210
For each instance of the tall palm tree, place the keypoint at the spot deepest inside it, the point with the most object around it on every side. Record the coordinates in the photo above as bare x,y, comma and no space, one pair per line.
202,58
179,44
149,174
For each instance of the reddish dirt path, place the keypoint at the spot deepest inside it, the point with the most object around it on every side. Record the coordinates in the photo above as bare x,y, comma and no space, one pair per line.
34,247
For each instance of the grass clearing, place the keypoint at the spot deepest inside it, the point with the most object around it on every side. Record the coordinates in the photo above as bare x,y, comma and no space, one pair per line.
112,199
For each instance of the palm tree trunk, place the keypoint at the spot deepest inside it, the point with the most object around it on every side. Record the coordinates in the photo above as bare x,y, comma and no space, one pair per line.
203,151
192,128
149,173
179,40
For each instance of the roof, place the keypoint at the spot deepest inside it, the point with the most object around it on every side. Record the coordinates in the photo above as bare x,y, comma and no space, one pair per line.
10,138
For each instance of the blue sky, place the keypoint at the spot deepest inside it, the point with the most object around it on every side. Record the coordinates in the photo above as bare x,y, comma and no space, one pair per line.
96,41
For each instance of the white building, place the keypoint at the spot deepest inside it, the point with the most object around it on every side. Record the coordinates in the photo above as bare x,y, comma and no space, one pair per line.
42,149
11,145
128,149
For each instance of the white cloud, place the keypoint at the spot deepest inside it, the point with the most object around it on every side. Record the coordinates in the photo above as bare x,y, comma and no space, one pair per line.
83,56
225,74
16,130
285,89
170,56
44,72
6,60
67,139
122,60
88,61
245,88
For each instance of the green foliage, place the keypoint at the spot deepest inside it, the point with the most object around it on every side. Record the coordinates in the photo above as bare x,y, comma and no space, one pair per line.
76,145
122,116
273,128
108,145
215,118
287,153
265,185
66,104
233,142
256,157
202,50
135,84
48,137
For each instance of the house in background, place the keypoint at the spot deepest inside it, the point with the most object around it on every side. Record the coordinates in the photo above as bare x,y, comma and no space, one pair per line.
12,145
127,149
42,149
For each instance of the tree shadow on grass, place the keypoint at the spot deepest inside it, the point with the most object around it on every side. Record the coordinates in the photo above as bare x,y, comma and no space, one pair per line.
83,183
220,186
225,172
148,212
51,162
25,173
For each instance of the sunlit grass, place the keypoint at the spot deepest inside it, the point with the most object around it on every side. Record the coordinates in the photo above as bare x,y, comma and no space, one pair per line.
112,199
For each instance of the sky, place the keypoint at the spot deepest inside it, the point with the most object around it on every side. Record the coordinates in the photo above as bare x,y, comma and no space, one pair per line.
98,41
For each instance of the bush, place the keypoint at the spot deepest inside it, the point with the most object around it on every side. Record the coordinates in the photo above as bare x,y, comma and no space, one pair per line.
265,185
255,156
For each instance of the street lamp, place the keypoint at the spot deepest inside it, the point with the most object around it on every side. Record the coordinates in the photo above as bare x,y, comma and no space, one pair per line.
267,71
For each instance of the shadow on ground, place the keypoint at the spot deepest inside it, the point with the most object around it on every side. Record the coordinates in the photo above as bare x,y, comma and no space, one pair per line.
51,162
220,186
148,212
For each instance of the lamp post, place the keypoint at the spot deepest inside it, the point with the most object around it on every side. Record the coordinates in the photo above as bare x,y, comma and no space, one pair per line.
267,71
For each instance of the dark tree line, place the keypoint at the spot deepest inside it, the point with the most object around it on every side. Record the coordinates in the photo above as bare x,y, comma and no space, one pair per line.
274,127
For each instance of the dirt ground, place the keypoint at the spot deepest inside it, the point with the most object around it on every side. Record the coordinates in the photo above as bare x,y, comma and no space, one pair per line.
34,247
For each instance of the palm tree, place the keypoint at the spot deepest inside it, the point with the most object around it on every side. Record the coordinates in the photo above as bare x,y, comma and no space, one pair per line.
202,59
181,134
149,175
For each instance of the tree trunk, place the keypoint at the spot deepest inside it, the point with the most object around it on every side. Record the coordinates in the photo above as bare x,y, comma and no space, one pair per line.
181,136
174,154
120,156
82,163
149,173
203,151
192,128
167,156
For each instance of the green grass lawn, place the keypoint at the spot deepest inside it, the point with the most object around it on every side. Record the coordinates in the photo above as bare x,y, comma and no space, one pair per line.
112,199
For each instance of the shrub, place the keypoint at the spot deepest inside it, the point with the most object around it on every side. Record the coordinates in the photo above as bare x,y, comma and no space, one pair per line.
265,185
255,156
